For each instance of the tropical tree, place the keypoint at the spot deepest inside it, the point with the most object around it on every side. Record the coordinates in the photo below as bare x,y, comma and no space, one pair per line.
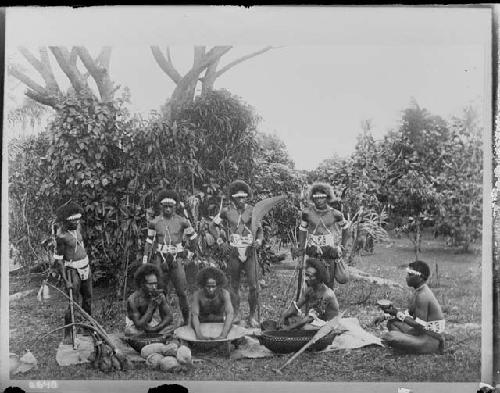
68,60
205,70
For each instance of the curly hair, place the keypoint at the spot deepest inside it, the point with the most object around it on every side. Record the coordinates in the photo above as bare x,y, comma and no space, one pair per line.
422,267
324,188
68,209
143,271
239,185
321,273
211,272
166,194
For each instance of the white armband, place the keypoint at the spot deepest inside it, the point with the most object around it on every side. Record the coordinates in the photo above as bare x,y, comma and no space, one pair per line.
145,259
303,226
194,236
58,257
149,240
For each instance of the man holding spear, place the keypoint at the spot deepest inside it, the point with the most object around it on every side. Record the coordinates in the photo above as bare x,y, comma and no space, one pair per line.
323,234
73,262
241,245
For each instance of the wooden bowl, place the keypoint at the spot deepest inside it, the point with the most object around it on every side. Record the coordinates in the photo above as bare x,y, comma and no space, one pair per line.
186,333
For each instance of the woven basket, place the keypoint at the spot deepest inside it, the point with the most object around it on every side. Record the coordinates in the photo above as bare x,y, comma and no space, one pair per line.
283,341
141,340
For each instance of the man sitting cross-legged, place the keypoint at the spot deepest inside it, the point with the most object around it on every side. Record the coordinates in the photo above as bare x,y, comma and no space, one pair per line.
147,307
320,302
420,328
211,302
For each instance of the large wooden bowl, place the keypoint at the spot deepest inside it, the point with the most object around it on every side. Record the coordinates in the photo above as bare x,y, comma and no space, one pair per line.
186,333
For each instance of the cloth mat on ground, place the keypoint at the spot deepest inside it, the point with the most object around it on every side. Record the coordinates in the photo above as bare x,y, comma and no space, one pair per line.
354,337
67,356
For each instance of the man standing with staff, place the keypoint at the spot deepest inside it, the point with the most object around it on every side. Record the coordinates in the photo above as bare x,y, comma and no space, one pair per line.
323,233
241,245
166,234
73,262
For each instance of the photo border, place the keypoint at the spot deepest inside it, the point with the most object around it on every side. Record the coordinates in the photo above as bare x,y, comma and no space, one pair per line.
488,352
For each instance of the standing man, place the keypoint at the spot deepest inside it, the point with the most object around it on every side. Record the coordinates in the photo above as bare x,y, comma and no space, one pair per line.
237,218
166,235
323,232
73,260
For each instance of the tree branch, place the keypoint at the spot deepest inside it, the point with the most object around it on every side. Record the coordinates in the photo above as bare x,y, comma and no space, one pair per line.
242,59
26,80
42,98
166,65
104,57
63,56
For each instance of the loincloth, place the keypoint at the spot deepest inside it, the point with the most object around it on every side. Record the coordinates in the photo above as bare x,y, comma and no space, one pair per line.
81,266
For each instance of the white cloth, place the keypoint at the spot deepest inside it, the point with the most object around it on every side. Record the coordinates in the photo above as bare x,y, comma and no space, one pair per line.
433,326
353,337
81,266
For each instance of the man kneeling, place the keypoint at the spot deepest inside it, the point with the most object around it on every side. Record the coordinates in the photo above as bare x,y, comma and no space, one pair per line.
419,329
319,300
147,307
211,303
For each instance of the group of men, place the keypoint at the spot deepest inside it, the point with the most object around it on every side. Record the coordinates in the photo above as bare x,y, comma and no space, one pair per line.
323,235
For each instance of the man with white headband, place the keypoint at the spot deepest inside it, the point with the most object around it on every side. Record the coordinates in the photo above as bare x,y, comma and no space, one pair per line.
420,328
166,235
237,218
323,232
73,261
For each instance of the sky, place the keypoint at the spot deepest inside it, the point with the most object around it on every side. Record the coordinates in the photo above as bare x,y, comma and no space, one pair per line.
332,68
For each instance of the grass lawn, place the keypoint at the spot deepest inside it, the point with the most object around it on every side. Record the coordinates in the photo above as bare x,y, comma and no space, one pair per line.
458,290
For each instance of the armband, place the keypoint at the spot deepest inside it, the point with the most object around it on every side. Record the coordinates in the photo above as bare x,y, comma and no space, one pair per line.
220,241
58,257
401,316
194,236
149,240
301,228
345,225
145,259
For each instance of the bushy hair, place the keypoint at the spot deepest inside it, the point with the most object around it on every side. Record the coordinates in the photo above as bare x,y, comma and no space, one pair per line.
68,209
422,268
166,194
321,273
239,185
324,188
143,271
211,272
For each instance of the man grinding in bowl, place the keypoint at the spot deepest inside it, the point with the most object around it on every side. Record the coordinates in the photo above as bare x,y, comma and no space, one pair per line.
211,302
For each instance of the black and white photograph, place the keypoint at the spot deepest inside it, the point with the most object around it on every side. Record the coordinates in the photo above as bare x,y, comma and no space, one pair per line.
254,199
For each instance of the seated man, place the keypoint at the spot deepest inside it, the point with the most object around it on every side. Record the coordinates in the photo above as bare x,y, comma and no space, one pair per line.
320,301
211,302
147,307
420,328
